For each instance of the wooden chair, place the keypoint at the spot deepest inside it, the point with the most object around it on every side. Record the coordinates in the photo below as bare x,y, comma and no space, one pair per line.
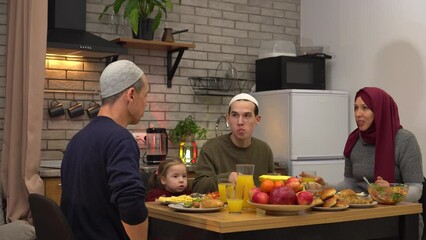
423,202
49,221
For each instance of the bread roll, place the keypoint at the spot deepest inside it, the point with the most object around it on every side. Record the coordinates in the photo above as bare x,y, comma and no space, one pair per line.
317,202
327,193
342,203
330,202
347,193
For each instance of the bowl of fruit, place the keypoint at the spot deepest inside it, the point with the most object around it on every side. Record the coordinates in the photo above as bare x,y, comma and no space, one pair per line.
281,198
390,195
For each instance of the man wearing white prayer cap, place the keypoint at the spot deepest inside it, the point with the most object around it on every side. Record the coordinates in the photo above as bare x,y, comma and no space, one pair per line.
103,196
219,155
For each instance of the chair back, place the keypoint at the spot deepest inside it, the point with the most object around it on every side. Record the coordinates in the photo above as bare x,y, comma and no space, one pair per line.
423,202
49,221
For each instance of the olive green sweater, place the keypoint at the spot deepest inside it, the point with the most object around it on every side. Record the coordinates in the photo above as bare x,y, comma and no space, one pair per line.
219,156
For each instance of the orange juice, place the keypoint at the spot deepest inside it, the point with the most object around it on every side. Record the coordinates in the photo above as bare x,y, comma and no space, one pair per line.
308,179
222,190
244,184
235,205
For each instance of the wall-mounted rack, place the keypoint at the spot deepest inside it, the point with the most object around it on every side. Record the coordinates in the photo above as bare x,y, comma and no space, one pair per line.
93,92
171,48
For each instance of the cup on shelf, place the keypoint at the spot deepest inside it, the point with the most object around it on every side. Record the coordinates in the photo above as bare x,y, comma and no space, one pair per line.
93,109
55,109
76,109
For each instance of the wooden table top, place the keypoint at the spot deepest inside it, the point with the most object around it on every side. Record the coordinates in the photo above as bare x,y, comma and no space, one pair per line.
224,222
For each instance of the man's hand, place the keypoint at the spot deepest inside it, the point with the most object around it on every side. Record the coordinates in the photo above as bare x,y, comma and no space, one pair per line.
233,177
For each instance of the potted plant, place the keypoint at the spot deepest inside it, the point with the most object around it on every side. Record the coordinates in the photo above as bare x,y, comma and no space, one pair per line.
139,13
185,133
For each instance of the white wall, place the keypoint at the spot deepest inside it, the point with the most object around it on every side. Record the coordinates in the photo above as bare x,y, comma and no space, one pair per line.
379,43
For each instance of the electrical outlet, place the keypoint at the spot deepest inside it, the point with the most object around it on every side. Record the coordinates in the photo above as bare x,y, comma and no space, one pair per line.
140,138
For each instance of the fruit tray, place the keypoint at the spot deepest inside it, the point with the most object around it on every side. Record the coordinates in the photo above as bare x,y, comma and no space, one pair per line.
275,209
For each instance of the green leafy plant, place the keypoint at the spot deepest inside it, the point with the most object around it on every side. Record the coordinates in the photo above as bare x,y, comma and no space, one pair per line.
135,9
185,128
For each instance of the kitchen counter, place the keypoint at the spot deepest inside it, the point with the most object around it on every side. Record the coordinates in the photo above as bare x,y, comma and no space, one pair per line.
55,171
53,168
378,222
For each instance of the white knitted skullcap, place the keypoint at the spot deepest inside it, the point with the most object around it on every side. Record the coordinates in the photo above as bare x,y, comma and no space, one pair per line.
244,96
118,76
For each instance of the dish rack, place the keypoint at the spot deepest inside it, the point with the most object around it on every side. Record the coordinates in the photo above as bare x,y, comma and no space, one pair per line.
225,82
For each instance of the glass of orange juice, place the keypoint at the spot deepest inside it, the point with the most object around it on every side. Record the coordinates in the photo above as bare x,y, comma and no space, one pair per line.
234,199
245,182
222,185
308,175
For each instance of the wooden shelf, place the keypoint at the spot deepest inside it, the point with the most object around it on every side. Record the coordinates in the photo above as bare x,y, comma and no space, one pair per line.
152,44
170,47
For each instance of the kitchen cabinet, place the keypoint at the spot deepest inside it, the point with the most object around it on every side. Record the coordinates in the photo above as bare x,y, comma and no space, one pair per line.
170,47
52,188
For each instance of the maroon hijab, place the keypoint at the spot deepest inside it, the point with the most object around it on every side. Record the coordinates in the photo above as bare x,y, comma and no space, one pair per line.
381,133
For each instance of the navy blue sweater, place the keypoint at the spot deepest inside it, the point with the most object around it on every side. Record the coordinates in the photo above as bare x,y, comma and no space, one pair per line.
101,183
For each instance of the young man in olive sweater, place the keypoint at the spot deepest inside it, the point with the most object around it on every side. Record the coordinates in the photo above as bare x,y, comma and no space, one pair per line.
219,155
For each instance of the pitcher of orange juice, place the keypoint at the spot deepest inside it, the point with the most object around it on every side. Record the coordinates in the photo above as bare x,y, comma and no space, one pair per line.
245,182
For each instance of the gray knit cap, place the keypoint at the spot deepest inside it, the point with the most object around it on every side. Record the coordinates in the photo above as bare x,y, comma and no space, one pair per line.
118,76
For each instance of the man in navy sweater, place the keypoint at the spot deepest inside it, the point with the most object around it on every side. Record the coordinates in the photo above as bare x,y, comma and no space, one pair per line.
103,196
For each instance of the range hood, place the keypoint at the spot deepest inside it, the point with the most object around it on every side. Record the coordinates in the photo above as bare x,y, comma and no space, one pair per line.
67,33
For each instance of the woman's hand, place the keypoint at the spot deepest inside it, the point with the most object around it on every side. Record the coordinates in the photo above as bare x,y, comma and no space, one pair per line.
381,182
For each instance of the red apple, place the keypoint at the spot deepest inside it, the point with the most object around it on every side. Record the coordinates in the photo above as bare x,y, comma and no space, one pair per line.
261,197
304,198
293,179
295,185
282,196
253,191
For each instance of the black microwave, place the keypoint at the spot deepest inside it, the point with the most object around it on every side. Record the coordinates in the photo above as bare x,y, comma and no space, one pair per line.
286,72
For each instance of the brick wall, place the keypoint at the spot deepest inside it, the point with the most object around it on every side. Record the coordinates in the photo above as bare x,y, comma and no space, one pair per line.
223,31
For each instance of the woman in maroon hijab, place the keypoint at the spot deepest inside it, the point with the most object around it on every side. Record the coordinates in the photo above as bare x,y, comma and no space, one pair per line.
380,149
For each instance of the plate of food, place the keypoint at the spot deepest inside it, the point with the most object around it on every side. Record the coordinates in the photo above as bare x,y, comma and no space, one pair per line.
175,199
276,209
362,205
356,200
182,208
205,205
330,209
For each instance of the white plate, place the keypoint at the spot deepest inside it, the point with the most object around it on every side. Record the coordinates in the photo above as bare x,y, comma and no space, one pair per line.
366,205
275,209
180,207
330,209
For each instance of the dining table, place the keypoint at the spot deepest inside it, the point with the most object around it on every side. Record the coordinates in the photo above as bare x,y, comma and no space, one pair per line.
400,221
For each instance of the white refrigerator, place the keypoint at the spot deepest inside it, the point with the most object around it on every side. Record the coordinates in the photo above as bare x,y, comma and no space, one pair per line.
306,129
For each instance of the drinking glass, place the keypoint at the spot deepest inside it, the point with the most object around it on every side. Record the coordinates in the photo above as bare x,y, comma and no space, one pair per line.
245,182
308,176
234,199
222,185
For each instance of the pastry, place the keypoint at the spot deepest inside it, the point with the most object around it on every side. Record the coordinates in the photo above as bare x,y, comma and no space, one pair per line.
327,193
